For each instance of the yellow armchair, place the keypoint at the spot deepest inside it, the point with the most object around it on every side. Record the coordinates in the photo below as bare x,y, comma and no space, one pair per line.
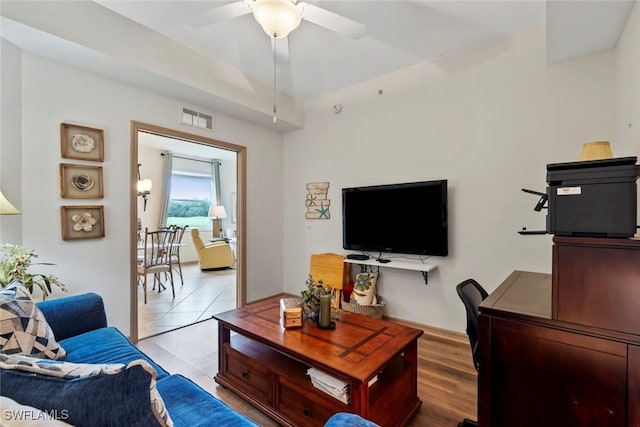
212,255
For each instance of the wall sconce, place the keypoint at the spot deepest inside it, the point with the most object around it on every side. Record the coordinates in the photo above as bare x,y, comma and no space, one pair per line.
217,214
6,208
144,188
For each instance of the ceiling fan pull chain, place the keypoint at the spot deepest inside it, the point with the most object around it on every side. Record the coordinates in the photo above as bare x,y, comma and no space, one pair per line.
275,81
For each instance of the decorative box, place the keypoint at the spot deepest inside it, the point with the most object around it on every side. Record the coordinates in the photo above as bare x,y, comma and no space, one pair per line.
290,312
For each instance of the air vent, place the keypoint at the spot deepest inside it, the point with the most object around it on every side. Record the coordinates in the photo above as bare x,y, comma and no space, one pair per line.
197,119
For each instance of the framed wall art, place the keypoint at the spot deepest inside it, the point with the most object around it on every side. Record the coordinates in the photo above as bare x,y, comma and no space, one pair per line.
81,182
82,222
317,202
81,142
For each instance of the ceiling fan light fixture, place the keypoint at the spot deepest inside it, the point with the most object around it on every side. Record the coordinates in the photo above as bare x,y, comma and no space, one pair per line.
277,17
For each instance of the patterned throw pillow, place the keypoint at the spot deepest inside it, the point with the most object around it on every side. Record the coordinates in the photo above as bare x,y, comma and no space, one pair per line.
79,382
23,328
364,289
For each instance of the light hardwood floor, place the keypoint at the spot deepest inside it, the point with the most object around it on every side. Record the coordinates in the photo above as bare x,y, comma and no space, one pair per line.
446,377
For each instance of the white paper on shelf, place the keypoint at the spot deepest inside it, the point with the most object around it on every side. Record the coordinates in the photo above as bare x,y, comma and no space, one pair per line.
343,397
330,385
326,379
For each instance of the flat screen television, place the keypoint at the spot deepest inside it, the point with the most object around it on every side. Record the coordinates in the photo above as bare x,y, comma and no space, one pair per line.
408,218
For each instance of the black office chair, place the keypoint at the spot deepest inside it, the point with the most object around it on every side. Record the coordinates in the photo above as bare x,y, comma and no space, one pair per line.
471,294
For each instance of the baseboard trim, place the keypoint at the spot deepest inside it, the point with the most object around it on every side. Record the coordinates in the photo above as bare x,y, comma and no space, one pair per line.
280,295
433,331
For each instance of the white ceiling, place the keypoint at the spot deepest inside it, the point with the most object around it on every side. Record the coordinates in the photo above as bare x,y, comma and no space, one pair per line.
399,34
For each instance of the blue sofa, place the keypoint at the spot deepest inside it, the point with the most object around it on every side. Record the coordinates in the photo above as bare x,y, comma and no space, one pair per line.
80,326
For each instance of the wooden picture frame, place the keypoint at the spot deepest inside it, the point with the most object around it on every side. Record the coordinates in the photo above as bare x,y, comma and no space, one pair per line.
82,222
81,181
81,142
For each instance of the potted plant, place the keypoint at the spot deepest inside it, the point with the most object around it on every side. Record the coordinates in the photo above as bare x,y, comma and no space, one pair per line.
14,264
310,297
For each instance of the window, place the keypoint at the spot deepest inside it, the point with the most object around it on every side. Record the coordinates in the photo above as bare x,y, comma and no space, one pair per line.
189,200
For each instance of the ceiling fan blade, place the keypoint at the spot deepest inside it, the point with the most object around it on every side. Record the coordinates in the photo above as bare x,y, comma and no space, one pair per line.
222,13
281,48
331,21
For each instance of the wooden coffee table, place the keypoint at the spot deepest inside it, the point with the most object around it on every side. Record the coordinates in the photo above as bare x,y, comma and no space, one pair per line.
267,365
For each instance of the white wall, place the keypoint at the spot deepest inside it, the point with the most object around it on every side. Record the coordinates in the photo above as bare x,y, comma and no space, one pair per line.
53,93
151,168
228,185
489,120
627,83
10,149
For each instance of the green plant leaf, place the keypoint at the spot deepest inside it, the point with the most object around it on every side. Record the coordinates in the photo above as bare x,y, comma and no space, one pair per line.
14,264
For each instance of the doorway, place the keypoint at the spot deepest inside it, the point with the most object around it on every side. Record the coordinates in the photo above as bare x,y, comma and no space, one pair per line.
197,288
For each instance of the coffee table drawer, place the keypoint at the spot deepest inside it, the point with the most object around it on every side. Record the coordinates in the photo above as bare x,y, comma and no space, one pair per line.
249,375
304,410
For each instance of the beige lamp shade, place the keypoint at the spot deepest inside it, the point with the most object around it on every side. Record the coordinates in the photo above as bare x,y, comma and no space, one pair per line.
217,212
596,150
6,208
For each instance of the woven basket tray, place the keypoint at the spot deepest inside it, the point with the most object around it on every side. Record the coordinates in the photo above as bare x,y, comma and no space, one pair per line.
374,310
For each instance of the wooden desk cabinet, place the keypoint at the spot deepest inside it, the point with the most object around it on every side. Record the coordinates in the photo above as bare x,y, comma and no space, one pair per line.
539,371
596,282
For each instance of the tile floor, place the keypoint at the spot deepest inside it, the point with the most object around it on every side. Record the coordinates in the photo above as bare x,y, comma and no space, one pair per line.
203,294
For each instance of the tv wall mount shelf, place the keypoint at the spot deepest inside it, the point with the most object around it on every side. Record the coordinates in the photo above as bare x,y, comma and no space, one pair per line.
403,265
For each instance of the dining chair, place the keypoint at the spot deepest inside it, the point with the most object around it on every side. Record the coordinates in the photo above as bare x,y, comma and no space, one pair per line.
157,258
175,249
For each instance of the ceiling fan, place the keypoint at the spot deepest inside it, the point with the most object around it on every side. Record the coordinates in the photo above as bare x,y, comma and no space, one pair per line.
279,17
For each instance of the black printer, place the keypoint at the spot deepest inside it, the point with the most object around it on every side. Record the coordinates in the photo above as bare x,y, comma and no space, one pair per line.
595,198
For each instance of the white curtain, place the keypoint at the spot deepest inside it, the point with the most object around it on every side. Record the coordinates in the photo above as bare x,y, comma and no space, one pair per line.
167,166
215,173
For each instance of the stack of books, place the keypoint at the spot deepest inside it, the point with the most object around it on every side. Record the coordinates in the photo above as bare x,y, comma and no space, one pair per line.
330,385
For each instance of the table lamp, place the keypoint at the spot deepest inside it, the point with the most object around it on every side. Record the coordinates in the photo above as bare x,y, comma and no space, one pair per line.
6,208
217,214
